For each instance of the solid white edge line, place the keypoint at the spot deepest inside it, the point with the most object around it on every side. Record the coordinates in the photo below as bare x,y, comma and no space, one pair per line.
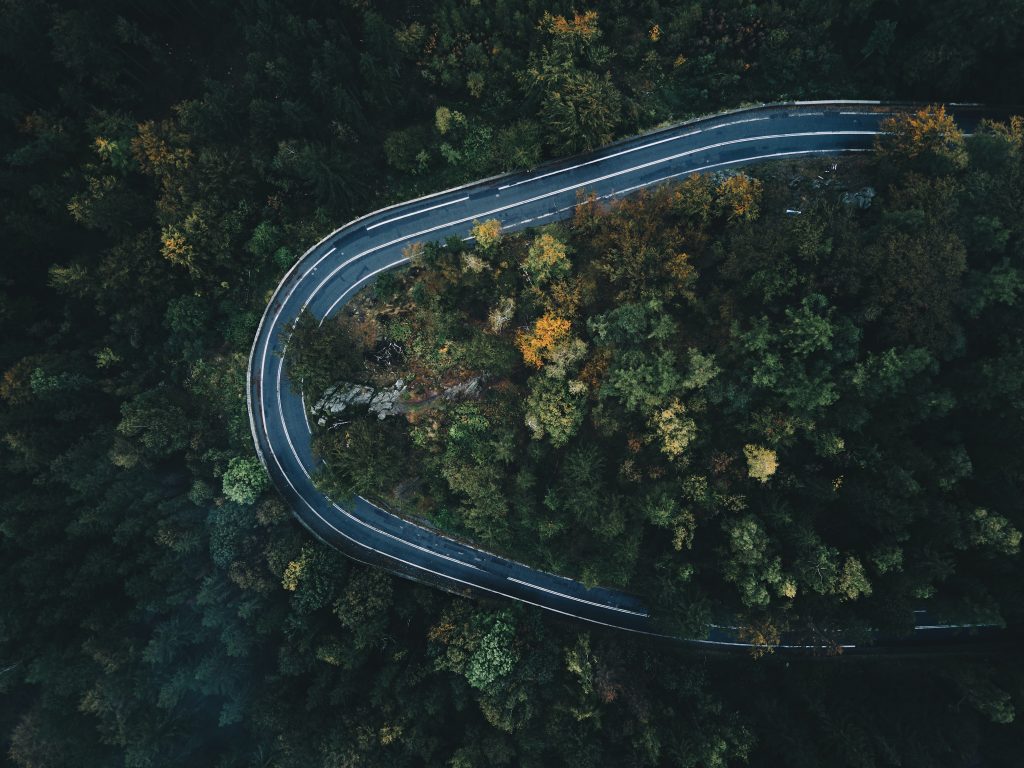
677,137
448,577
364,278
302,397
407,543
744,161
302,466
350,225
417,212
577,599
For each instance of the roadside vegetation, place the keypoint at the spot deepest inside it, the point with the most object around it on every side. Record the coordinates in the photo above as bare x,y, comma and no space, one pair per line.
162,165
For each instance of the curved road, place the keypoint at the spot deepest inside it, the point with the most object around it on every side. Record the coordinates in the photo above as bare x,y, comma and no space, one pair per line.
330,272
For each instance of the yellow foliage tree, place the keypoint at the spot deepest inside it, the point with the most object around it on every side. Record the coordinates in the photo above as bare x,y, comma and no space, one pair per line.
762,636
928,131
582,26
740,195
155,149
445,119
293,571
182,242
176,247
675,429
487,233
547,257
547,333
761,462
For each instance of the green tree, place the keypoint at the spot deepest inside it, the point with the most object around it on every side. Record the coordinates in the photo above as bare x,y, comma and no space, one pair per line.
244,480
555,409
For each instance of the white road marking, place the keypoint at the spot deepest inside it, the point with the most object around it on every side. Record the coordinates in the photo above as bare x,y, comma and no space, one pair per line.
295,454
399,539
417,212
648,145
732,162
359,282
447,577
391,265
837,101
577,599
302,397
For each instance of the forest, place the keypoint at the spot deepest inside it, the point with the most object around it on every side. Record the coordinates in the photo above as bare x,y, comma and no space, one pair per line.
161,166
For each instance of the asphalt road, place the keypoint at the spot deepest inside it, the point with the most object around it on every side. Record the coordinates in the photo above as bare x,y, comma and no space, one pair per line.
349,258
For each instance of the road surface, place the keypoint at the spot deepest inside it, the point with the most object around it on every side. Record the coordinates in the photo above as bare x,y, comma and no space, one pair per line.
331,272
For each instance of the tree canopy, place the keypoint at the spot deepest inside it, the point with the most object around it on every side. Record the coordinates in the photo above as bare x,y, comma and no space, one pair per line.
163,165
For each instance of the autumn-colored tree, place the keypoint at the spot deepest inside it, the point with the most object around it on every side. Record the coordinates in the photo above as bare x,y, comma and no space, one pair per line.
547,258
487,233
582,25
675,429
695,197
761,462
763,637
929,132
740,196
161,149
548,332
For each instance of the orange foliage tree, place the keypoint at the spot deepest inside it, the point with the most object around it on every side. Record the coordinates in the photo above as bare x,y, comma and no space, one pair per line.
581,25
547,332
741,196
928,131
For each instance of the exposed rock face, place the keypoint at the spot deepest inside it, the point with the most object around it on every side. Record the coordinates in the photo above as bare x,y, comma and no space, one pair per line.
861,198
383,402
465,390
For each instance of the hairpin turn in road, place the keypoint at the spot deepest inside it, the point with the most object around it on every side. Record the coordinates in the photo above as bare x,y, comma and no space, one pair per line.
330,273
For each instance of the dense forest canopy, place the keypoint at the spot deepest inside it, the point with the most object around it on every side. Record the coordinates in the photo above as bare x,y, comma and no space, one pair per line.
163,165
